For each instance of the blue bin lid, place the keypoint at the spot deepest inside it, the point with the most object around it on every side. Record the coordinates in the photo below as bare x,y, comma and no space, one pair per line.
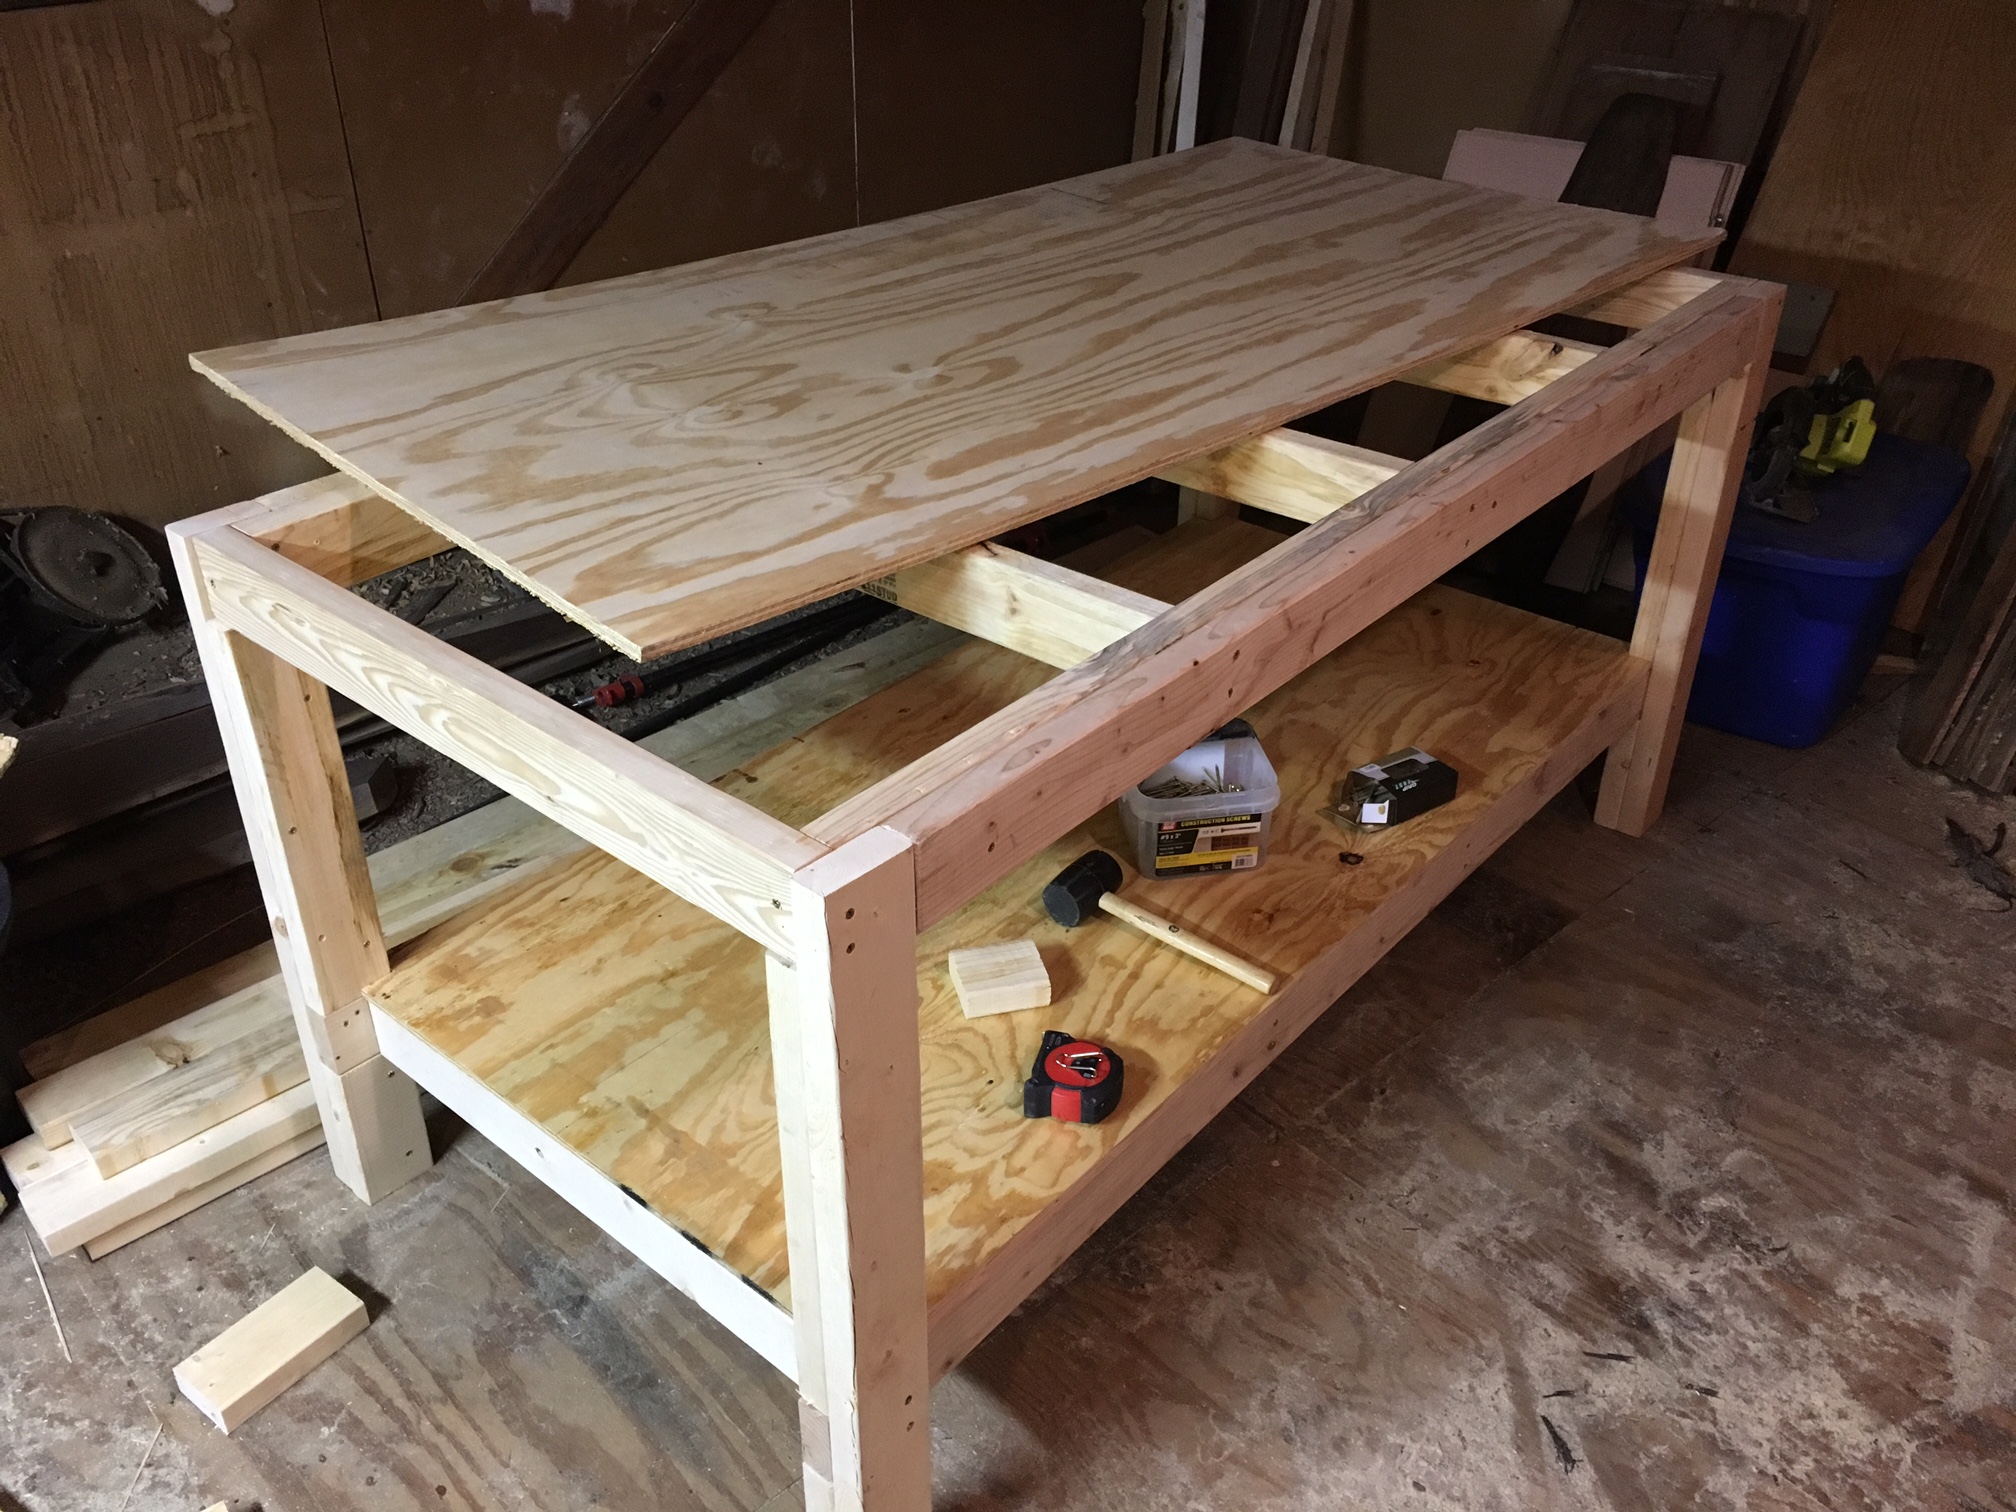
1874,519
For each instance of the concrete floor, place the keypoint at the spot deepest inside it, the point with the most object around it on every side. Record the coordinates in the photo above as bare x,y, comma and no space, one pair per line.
1657,1174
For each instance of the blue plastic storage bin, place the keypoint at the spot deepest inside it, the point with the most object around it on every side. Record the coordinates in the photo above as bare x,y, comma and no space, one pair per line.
1800,609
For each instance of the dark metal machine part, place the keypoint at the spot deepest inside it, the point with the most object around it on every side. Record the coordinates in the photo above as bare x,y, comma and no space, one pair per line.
69,582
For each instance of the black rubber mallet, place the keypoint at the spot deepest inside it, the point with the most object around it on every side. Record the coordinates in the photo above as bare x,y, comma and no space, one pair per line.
1091,885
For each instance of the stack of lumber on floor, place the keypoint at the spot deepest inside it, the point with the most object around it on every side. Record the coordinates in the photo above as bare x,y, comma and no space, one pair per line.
149,1111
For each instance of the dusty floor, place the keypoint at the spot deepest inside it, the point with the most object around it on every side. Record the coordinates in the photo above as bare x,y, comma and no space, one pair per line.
1659,1174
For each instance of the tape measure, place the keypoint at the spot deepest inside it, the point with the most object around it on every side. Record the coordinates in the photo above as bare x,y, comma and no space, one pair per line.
1073,1080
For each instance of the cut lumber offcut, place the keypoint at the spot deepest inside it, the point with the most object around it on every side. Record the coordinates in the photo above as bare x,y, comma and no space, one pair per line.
209,1191
126,1128
999,978
1287,473
271,1348
52,1103
73,1204
1049,613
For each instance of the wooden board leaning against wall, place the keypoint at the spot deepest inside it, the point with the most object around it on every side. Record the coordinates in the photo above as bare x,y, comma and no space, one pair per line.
1895,185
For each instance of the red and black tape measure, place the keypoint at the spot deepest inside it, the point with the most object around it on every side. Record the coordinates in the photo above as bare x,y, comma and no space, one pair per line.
1073,1080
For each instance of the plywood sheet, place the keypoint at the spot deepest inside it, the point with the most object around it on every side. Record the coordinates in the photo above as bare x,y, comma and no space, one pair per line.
634,1027
673,454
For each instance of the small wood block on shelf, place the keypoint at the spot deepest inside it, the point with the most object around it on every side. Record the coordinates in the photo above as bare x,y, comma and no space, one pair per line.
271,1348
999,978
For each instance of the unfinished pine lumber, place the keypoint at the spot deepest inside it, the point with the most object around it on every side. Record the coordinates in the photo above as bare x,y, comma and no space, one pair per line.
71,1204
122,1130
999,978
271,1348
53,1102
419,883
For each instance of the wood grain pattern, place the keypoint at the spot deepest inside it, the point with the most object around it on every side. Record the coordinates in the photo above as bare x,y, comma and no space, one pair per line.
125,1129
1300,476
1038,608
51,1102
430,878
271,1348
1679,587
1654,298
1507,370
672,454
71,1203
652,815
1003,978
1902,199
209,1191
987,799
635,1029
171,180
352,533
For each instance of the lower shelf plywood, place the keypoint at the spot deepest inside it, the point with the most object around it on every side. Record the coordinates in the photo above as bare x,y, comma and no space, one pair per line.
633,1027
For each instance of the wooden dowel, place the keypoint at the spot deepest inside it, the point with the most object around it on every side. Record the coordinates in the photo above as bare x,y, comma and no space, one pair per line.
1171,933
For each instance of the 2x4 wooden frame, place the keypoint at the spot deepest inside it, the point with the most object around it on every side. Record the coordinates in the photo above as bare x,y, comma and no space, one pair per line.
838,905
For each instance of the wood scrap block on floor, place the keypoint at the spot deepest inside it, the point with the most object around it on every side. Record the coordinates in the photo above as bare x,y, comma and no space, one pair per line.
271,1348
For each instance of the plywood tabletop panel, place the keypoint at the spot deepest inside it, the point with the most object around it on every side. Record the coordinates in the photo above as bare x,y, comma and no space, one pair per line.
634,1027
674,454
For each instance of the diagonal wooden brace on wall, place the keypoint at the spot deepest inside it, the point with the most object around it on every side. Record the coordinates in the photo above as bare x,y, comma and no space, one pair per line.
646,111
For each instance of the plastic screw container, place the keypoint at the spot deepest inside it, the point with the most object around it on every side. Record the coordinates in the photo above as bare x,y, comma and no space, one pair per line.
1211,832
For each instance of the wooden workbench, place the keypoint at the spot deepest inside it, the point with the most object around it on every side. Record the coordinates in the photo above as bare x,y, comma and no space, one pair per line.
710,1032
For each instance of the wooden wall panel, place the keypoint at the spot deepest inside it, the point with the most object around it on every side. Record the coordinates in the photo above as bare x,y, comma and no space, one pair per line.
1895,184
766,157
966,98
458,112
173,182
167,181
1427,69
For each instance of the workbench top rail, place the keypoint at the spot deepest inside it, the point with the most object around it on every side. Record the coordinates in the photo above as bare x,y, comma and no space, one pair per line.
995,795
707,847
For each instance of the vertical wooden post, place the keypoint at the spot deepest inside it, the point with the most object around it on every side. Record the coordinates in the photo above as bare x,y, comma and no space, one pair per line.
287,768
849,1112
1679,587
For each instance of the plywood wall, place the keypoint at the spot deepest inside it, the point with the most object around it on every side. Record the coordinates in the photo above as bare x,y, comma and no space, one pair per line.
1895,185
177,175
1427,69
165,183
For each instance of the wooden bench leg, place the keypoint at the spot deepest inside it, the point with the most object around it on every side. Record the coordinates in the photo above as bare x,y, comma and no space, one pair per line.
287,768
850,1123
1679,587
